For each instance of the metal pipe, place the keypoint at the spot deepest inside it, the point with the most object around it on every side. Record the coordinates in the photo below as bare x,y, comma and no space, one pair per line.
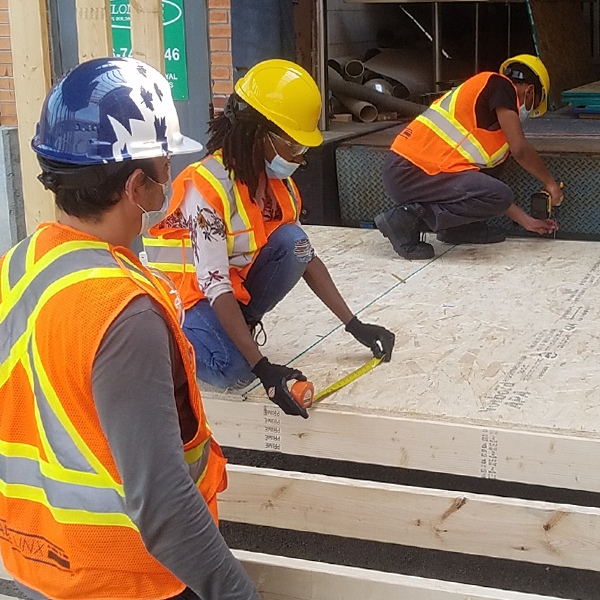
437,46
321,18
383,102
365,111
476,37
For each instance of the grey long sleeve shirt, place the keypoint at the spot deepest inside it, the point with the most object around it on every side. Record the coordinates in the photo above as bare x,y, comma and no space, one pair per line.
138,382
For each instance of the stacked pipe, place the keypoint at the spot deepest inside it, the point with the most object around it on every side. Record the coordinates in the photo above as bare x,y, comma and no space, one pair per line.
365,101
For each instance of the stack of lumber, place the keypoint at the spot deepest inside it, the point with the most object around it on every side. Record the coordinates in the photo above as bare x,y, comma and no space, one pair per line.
585,100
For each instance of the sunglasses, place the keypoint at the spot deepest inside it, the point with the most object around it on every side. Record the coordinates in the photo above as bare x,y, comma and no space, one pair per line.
294,148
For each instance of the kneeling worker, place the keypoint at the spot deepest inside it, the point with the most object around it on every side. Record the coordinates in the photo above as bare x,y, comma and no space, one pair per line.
108,470
434,171
235,219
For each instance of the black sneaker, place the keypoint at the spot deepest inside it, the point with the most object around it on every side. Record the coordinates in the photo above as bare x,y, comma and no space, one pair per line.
402,226
473,233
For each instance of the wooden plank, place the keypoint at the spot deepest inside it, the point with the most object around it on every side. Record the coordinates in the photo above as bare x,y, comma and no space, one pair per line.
495,366
32,77
474,451
278,577
590,88
538,532
94,32
147,36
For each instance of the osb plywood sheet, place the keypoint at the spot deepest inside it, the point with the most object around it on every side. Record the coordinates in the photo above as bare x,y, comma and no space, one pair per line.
563,43
359,262
499,335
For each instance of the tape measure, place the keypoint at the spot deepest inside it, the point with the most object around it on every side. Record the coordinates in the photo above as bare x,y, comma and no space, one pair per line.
303,391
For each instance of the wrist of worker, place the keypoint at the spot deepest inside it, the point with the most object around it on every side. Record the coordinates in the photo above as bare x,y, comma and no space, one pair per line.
260,366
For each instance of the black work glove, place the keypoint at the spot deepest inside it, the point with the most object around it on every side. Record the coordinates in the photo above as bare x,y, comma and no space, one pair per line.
378,339
275,378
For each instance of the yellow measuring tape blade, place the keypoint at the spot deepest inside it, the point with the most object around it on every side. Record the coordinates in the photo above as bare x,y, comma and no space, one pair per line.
344,381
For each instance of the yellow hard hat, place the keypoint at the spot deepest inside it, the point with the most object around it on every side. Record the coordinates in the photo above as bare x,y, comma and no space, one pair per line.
538,67
287,95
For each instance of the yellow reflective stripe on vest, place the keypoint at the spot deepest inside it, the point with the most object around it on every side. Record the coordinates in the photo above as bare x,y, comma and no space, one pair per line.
167,256
459,135
444,129
24,352
240,232
150,240
199,453
248,229
500,155
218,187
440,118
72,483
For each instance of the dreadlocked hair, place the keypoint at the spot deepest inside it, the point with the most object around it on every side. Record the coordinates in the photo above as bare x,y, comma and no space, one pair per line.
240,132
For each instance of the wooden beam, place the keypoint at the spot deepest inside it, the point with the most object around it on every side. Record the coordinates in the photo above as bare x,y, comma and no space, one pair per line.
537,458
147,37
278,577
32,75
509,528
94,32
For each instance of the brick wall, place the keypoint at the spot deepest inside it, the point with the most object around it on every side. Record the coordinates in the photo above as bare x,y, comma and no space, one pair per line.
8,112
219,19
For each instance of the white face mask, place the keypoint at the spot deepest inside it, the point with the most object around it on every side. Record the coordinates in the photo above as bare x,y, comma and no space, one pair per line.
150,218
279,168
523,112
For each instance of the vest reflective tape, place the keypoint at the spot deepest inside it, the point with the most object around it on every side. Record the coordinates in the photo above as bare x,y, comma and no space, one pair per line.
237,223
17,263
214,181
17,307
72,483
448,130
58,444
199,453
25,476
290,187
440,118
447,100
500,155
170,255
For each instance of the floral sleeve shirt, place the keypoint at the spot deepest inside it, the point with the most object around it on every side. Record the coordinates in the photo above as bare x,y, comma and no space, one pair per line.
208,237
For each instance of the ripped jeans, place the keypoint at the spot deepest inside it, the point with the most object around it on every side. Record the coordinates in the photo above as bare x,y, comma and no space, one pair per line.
277,269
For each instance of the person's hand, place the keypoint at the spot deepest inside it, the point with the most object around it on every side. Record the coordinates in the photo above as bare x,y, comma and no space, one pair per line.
274,379
556,193
378,339
541,226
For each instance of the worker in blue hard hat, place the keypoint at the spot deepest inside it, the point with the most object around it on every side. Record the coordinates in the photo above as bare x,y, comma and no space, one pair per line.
109,470
435,172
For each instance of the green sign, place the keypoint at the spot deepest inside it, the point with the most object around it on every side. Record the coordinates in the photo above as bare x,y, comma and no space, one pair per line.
174,25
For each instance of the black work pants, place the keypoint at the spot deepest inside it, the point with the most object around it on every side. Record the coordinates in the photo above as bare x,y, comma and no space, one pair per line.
449,199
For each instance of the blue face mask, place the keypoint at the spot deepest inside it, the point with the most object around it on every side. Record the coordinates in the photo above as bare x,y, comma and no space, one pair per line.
523,112
279,168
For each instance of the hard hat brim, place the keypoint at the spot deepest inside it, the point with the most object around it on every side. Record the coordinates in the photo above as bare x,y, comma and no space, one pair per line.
305,138
187,146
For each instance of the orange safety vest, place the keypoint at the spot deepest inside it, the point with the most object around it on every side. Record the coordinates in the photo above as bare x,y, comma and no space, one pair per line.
169,248
64,530
446,139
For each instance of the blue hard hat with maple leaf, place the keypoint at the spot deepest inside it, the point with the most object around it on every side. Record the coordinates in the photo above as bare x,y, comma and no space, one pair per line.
110,110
